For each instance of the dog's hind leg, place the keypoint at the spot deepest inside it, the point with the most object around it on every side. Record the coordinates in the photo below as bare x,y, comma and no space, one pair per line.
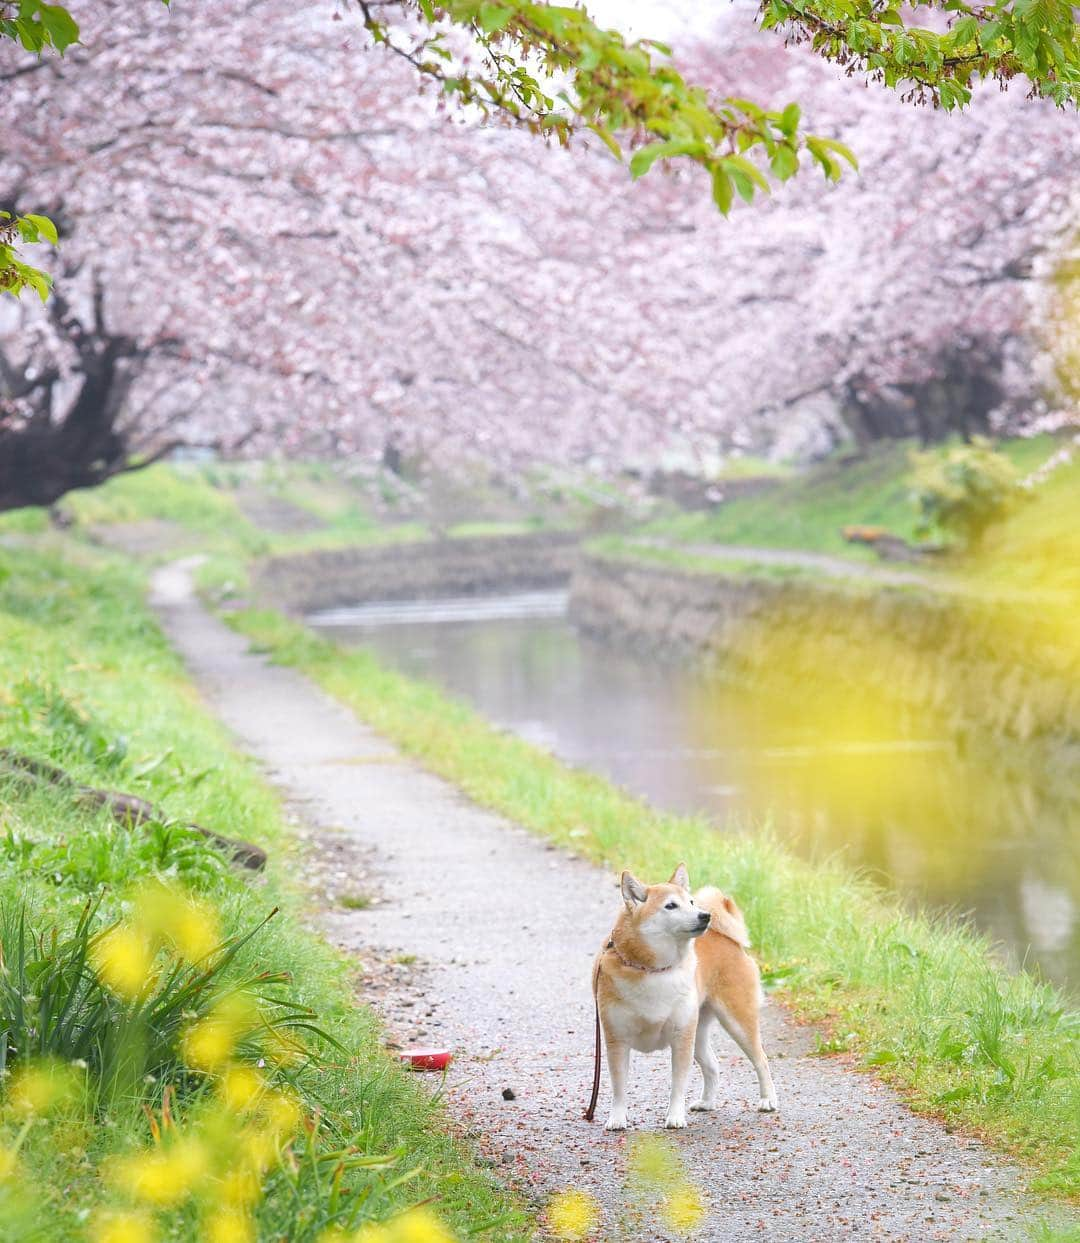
705,1057
618,1064
744,1030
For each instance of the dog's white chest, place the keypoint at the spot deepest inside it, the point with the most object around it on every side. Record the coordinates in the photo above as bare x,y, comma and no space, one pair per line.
649,1012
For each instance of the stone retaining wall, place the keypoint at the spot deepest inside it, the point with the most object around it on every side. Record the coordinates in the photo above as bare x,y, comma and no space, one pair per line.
329,578
1007,667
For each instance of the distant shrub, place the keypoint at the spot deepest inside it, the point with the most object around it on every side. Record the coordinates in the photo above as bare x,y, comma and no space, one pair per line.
963,490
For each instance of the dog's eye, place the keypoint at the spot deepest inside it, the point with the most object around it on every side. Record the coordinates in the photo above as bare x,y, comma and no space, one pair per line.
671,906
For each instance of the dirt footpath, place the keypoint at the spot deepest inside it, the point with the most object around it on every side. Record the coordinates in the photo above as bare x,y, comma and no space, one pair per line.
476,935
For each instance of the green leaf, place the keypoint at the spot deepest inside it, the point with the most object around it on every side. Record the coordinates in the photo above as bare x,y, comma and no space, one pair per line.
845,152
722,190
493,18
785,163
44,226
883,1057
990,33
62,28
831,167
39,281
747,169
645,157
965,31
789,120
608,139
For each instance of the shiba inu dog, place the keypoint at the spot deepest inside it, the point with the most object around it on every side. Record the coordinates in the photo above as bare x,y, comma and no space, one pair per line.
673,967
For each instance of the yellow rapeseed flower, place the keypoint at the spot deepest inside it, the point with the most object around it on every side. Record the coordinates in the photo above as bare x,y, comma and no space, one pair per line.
258,1148
683,1209
654,1161
124,960
239,1187
375,1232
419,1225
44,1088
572,1215
123,1228
163,1176
282,1113
208,1044
187,924
229,1227
241,1088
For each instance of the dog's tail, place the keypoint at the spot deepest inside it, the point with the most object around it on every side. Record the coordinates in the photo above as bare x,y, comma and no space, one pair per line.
727,919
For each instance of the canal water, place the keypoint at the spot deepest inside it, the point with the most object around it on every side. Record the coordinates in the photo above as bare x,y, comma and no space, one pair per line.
928,818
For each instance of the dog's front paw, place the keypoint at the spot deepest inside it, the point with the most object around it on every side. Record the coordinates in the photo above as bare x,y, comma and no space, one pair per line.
702,1106
768,1104
615,1122
676,1120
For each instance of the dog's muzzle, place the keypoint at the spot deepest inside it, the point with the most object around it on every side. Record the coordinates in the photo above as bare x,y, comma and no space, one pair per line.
702,923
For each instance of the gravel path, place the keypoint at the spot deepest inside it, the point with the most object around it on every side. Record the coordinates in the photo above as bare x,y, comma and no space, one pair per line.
480,937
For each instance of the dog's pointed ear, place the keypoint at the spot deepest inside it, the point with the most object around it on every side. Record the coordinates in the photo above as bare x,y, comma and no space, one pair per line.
680,877
632,890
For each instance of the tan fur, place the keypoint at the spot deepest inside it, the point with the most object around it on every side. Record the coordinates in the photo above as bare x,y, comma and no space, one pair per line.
666,982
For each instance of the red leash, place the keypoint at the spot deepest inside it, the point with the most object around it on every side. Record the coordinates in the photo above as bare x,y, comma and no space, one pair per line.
590,1113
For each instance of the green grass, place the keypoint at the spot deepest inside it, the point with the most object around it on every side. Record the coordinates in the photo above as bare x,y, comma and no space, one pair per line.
177,494
918,998
810,509
1038,546
88,682
621,548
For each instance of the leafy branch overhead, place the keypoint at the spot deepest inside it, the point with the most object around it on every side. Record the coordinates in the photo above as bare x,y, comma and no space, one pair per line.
552,69
15,274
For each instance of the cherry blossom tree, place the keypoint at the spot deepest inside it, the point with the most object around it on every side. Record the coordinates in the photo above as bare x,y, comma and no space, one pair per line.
317,258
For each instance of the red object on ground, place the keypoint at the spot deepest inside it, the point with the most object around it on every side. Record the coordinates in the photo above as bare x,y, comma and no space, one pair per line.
426,1059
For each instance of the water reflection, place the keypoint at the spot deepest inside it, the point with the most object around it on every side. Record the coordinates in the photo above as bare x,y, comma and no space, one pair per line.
945,824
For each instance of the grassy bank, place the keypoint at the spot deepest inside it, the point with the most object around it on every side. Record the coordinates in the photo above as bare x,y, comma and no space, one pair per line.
810,509
298,1086
917,998
676,557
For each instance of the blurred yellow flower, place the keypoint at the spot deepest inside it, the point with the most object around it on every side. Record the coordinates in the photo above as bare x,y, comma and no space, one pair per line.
163,1176
282,1112
419,1225
9,1162
239,1186
208,1044
44,1088
572,1215
683,1209
241,1088
375,1232
187,924
124,960
334,1235
654,1161
123,1228
228,1227
258,1148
